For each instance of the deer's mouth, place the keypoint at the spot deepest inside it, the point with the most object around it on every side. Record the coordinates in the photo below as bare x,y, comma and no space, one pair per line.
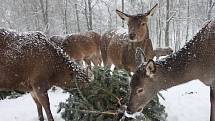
128,114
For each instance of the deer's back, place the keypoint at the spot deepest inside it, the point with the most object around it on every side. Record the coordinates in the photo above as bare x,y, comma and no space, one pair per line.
25,59
82,45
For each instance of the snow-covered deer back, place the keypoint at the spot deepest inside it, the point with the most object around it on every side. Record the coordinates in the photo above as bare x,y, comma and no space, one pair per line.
118,46
194,61
81,46
29,62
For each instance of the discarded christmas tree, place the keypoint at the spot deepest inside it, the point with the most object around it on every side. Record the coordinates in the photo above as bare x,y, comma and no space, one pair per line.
103,99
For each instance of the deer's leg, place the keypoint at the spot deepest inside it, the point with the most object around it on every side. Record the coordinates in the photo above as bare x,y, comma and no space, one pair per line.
97,60
88,62
40,91
212,99
39,107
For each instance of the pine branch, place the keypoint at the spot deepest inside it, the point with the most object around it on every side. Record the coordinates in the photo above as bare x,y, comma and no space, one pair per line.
82,96
113,95
95,112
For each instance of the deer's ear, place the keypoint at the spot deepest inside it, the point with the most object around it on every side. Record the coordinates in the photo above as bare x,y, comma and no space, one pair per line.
122,15
152,11
139,56
150,68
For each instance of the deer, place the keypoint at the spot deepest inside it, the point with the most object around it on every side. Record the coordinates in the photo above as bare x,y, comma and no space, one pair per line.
163,51
194,61
118,47
81,46
31,63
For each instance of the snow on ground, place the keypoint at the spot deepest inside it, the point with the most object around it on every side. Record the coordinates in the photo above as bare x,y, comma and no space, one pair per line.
187,102
24,108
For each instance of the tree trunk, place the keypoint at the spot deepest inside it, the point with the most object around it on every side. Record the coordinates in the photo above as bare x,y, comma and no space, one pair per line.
178,31
44,9
167,24
116,23
110,15
211,5
188,19
65,17
123,8
90,15
86,15
159,26
77,18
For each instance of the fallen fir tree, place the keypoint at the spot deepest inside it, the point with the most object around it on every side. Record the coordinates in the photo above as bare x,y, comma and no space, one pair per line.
103,99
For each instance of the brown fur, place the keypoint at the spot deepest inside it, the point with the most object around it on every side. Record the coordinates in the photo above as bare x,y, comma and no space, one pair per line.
119,48
81,46
195,60
30,63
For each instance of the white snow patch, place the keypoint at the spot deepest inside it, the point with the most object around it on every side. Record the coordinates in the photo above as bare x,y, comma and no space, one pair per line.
24,108
187,102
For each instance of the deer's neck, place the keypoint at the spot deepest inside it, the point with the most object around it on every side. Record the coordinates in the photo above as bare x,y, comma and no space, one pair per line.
147,46
191,62
171,76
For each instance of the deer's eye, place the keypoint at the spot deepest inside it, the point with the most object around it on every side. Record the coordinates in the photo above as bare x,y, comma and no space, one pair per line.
140,90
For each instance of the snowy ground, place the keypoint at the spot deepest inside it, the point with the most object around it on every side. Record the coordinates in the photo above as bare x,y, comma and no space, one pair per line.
188,102
24,108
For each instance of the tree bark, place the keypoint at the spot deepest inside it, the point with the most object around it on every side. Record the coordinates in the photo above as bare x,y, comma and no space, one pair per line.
211,5
44,9
65,17
188,19
77,17
123,9
90,15
159,30
167,23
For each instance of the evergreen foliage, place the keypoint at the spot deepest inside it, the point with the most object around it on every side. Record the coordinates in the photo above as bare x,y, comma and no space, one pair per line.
103,99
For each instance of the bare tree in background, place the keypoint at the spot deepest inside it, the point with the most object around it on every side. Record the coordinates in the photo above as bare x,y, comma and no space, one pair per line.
159,28
44,8
123,9
188,19
65,16
167,23
109,14
77,17
88,14
211,5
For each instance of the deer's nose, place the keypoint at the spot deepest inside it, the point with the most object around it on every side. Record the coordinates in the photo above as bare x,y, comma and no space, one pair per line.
132,36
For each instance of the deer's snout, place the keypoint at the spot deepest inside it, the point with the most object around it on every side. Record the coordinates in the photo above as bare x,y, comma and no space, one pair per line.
132,36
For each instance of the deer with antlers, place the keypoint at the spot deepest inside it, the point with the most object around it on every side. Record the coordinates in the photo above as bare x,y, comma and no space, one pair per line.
118,47
30,63
195,60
